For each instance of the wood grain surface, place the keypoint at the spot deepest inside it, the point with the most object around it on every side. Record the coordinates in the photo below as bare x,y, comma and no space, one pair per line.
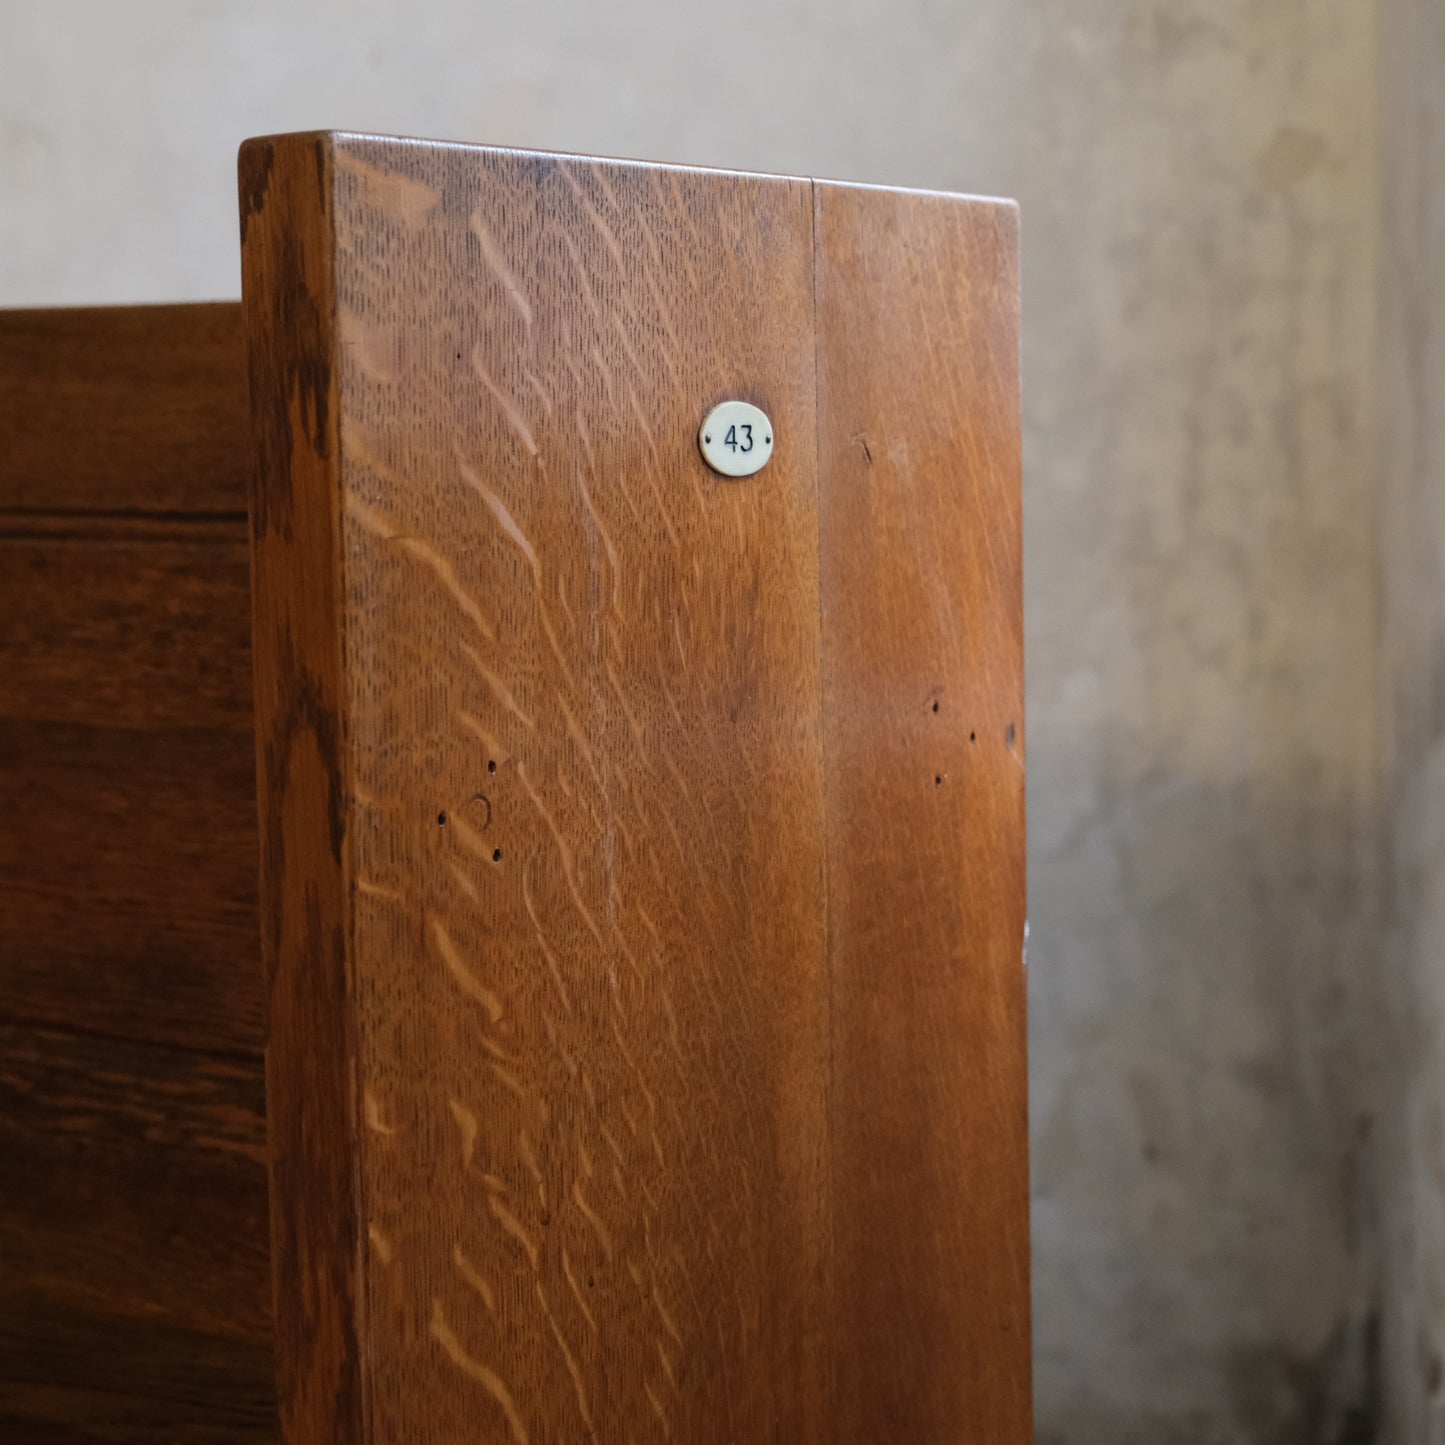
162,1148
124,409
303,788
134,1258
581,1081
918,442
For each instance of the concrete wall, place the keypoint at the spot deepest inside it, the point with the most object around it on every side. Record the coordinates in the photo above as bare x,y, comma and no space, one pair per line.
1412,572
1202,215
1199,190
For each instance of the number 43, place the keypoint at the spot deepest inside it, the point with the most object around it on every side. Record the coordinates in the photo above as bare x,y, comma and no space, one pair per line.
731,439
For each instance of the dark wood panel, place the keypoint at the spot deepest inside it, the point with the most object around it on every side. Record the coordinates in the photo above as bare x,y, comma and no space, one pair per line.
581,844
134,1210
134,1248
126,631
72,1377
128,883
138,1180
918,428
124,409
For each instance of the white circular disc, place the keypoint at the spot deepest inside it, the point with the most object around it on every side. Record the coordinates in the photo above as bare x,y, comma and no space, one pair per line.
736,438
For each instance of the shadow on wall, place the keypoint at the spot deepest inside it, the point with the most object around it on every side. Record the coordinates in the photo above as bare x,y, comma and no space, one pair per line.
1198,271
1202,1168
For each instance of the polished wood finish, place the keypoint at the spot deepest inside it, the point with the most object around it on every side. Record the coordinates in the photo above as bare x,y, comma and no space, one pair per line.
134,1275
303,787
128,900
563,1121
139,1167
918,442
124,409
667,1079
644,949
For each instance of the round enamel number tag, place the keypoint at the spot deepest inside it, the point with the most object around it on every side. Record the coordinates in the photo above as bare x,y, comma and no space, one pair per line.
736,438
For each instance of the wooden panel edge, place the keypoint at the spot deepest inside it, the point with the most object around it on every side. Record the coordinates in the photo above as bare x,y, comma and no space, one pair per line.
289,307
919,471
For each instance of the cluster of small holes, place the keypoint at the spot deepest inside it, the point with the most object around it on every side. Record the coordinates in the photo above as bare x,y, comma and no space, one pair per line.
936,706
442,817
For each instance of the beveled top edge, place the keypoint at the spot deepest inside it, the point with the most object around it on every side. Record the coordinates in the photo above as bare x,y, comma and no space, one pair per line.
341,139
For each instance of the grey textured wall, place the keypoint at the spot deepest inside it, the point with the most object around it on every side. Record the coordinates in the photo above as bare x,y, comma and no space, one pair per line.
1200,220
1412,570
1199,186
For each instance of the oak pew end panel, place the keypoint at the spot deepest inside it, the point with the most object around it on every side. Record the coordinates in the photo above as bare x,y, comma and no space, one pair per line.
642,894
